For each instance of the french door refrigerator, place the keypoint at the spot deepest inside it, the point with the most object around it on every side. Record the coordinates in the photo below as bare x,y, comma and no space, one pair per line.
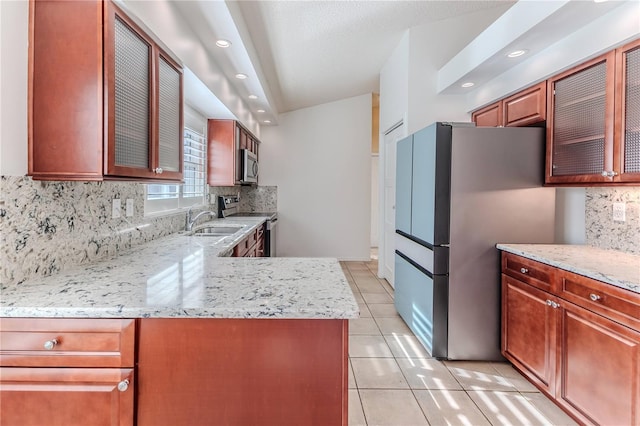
460,190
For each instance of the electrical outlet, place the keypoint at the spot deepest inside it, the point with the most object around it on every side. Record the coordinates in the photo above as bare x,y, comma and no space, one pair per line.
129,207
115,208
619,212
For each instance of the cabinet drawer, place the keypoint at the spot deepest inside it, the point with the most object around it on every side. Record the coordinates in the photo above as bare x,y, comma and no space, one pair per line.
70,342
241,248
529,271
616,303
66,396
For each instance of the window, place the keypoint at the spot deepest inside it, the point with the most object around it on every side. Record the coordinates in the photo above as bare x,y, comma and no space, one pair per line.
161,198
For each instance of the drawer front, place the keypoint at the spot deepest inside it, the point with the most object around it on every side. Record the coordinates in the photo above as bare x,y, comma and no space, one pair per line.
253,237
66,396
529,271
241,248
616,303
44,342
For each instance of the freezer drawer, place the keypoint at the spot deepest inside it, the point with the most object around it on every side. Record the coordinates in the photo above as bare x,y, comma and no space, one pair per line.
421,301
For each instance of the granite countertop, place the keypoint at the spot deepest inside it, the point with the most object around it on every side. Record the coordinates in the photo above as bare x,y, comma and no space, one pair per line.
187,276
610,266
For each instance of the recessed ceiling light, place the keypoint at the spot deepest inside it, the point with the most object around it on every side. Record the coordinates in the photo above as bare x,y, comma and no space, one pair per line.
267,121
599,1
241,76
469,84
516,53
260,110
223,43
253,97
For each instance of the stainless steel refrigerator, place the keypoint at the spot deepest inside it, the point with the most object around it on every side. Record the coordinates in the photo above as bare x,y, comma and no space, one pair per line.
460,190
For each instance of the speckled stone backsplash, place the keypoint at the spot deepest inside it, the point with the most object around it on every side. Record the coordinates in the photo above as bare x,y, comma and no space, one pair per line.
48,226
252,198
601,230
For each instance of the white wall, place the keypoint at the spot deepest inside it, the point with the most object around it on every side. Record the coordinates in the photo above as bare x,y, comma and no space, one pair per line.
375,200
394,86
14,18
320,160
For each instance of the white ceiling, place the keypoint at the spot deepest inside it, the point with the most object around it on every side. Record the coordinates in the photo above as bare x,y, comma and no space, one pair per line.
312,52
304,53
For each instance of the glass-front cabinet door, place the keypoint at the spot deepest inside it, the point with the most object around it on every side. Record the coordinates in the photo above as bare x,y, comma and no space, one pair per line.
170,118
628,111
144,99
580,126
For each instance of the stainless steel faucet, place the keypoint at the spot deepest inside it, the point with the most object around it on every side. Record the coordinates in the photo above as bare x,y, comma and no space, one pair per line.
190,222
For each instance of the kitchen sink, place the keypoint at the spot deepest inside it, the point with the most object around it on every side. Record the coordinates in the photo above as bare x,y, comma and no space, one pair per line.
216,231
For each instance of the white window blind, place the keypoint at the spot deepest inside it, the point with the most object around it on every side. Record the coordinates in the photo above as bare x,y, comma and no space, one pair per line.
194,163
160,198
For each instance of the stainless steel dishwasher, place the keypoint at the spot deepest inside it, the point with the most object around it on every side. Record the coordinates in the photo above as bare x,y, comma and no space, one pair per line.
270,237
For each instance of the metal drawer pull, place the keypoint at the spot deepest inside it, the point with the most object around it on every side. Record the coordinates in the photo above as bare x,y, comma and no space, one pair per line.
594,297
553,304
123,385
524,270
50,344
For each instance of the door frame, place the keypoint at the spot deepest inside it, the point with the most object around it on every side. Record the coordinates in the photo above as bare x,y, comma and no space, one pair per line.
382,202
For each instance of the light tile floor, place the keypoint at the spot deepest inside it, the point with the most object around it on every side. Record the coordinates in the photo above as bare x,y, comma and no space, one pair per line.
394,382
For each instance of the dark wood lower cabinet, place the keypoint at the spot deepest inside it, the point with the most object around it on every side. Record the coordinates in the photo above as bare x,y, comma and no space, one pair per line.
242,372
529,331
66,397
586,361
600,380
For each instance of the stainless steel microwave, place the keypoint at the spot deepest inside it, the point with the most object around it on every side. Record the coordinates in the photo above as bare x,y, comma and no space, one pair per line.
249,162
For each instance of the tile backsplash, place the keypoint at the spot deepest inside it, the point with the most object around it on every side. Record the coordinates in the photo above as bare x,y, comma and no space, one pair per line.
601,230
48,226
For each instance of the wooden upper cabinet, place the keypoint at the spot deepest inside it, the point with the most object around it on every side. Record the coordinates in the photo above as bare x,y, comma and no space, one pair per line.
580,123
106,102
521,109
225,140
526,107
489,116
223,152
627,117
580,128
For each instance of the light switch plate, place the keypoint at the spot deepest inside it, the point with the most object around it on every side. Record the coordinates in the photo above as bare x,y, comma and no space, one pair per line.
619,212
115,208
129,207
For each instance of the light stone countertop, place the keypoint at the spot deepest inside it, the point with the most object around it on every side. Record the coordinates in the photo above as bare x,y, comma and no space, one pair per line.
188,277
610,266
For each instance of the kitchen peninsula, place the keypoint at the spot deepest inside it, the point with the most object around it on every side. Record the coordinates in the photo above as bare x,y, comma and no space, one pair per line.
172,333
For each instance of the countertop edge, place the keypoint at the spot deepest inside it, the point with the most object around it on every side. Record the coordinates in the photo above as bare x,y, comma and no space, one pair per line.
521,250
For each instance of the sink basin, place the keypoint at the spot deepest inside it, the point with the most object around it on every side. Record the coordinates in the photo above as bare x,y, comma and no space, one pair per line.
216,231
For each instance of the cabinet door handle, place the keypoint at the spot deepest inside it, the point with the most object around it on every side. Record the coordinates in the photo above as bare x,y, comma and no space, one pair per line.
50,344
553,304
524,270
158,170
609,173
123,385
594,297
